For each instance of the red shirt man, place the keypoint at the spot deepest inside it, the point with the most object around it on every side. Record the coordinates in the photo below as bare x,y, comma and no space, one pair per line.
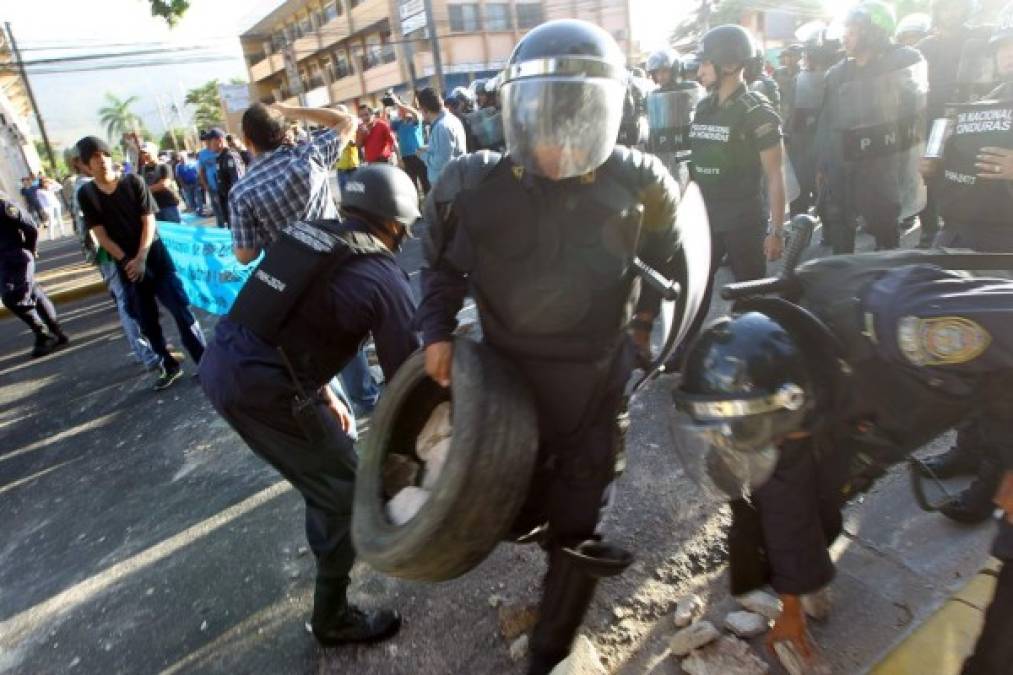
374,136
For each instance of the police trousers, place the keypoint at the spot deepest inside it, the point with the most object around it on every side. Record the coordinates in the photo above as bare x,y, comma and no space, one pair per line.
20,293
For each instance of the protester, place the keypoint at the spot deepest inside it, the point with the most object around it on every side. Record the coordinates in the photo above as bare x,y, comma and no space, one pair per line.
188,179
409,140
30,193
120,210
447,139
158,177
349,159
374,136
288,183
207,161
19,291
49,201
142,351
240,149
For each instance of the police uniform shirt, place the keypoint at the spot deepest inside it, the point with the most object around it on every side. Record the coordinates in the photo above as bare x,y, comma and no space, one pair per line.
230,170
17,229
726,140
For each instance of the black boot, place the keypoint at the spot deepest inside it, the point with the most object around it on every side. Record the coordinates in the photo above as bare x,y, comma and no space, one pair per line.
957,461
44,344
336,623
566,594
974,505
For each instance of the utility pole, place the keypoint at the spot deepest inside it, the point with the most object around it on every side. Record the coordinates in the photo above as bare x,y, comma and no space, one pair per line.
31,97
434,44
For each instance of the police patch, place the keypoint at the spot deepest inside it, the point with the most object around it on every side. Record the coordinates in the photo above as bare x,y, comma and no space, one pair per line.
941,341
12,210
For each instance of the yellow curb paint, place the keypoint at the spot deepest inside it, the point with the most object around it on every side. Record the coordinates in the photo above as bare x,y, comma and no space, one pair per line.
68,295
940,645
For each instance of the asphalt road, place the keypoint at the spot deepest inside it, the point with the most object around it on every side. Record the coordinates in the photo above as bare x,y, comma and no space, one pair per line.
139,534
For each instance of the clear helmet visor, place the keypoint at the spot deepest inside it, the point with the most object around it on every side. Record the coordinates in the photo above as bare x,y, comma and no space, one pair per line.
727,460
561,126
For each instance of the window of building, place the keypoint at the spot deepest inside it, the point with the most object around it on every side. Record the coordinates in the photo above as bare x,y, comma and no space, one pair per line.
497,16
356,3
278,41
463,17
332,10
529,14
342,67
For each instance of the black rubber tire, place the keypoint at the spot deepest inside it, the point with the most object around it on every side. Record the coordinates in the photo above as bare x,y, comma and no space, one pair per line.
484,482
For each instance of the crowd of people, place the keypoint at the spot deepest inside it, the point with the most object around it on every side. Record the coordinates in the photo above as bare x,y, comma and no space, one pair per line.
543,229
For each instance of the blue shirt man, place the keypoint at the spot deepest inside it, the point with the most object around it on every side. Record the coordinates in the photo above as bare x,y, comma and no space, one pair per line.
207,162
409,135
447,139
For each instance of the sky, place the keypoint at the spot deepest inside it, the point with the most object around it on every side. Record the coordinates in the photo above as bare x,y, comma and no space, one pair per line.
69,101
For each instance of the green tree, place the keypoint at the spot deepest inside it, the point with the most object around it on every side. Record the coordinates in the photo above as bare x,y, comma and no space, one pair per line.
180,134
207,105
170,10
117,117
47,167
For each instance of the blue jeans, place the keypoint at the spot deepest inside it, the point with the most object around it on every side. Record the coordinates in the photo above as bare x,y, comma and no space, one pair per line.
168,214
142,350
192,196
359,385
161,282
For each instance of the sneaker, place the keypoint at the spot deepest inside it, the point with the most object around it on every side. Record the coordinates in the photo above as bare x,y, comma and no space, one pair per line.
167,377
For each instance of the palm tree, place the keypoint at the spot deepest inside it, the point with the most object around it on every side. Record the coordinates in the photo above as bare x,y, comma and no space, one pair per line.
117,116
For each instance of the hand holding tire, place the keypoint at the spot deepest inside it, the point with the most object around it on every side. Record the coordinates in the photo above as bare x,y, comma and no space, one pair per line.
439,356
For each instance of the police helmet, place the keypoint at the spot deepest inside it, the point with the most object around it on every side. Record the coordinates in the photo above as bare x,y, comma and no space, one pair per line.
747,384
382,191
1003,29
562,98
914,26
728,45
954,12
878,18
663,59
463,97
689,67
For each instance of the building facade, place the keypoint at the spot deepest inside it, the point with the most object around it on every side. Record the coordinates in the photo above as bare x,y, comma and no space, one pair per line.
350,51
18,156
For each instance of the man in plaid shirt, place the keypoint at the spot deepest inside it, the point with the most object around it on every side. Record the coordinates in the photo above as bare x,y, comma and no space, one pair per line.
286,183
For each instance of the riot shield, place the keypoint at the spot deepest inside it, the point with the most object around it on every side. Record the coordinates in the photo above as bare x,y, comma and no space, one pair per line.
809,88
669,114
487,127
976,73
881,129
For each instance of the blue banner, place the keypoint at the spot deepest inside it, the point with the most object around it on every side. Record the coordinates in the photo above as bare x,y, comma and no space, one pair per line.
210,273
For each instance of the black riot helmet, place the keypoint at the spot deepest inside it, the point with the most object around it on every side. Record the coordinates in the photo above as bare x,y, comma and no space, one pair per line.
953,13
380,193
728,45
562,98
747,384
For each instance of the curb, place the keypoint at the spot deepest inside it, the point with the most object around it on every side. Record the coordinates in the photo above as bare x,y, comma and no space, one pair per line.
70,294
947,636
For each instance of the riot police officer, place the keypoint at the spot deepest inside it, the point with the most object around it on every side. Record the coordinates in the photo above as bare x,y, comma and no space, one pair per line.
820,51
760,82
975,198
736,146
321,289
670,110
543,237
960,70
20,293
871,132
794,406
784,77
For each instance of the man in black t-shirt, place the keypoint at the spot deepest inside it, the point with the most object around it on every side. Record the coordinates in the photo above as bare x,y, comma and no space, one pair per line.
120,211
158,177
